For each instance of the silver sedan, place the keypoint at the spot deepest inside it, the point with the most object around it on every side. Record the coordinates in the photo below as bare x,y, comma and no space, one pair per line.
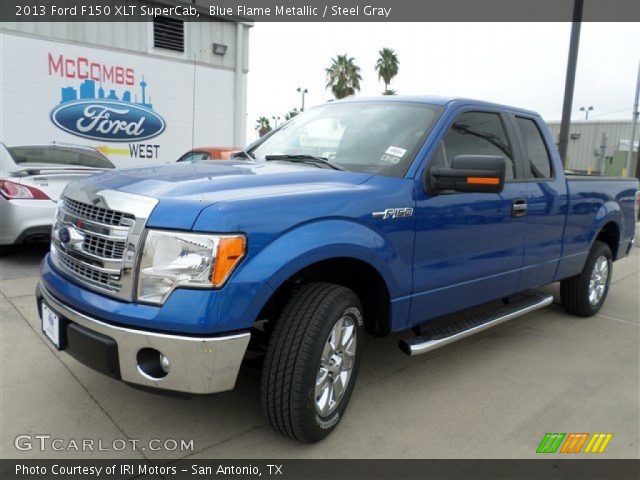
32,179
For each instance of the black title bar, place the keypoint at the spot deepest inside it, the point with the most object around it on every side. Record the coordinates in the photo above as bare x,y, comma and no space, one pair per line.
318,10
544,468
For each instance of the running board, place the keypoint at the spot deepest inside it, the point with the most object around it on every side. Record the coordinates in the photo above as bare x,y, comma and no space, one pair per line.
444,335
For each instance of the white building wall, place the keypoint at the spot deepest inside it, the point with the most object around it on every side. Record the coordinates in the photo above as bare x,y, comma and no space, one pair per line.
595,140
138,37
194,91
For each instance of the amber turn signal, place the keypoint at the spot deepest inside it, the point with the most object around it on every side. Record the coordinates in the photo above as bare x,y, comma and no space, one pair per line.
483,180
230,251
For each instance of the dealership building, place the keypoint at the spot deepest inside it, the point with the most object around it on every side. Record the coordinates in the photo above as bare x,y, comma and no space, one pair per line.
140,92
599,146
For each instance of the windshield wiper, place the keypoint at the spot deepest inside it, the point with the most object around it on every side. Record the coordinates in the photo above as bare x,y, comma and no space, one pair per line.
242,153
312,159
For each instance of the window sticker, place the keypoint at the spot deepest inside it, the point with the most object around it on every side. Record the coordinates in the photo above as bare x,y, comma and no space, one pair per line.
395,151
393,155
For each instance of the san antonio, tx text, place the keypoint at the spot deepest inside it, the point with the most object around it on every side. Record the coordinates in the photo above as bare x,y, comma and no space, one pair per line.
304,11
244,471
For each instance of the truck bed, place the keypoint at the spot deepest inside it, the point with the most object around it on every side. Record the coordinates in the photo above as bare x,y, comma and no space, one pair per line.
582,177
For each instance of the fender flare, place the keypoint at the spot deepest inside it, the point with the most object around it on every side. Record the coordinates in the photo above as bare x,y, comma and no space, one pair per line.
309,243
606,213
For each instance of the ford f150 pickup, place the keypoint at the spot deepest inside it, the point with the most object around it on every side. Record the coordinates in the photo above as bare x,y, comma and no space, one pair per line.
440,217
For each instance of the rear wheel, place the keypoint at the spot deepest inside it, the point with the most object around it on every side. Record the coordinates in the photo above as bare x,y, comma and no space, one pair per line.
585,293
4,249
312,362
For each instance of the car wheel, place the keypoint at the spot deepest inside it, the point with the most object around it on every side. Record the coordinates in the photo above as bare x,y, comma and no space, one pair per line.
585,293
312,361
4,249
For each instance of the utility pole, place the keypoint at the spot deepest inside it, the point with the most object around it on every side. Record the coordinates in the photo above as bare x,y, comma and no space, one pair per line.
302,91
570,80
634,122
638,171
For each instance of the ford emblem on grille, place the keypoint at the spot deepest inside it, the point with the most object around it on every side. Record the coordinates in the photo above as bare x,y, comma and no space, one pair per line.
64,235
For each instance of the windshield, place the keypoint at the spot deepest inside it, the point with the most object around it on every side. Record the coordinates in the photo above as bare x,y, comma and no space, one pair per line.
376,137
58,156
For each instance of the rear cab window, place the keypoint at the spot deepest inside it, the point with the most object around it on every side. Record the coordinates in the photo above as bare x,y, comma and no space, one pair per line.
537,160
26,156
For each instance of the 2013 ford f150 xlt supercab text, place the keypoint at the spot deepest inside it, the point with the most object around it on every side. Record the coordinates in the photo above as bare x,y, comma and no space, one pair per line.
440,216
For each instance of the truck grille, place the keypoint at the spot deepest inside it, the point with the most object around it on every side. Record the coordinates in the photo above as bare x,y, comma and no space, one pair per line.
89,273
90,244
96,214
101,247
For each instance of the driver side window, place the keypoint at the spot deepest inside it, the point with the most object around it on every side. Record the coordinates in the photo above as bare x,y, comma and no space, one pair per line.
476,133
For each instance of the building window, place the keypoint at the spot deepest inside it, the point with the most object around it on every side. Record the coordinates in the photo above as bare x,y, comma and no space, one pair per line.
168,33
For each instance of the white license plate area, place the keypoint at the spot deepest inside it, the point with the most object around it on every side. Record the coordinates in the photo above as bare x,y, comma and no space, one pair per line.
51,325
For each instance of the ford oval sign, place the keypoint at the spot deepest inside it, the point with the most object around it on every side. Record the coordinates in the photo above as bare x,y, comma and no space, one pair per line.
107,120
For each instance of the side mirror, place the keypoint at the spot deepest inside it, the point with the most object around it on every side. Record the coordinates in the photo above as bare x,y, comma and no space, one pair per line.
469,173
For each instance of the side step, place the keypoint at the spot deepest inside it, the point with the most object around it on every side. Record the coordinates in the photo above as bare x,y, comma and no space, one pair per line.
451,332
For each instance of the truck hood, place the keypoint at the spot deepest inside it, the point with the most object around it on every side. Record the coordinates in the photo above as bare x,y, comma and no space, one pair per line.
184,189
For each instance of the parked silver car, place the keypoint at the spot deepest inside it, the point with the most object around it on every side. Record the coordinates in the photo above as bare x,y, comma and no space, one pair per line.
31,181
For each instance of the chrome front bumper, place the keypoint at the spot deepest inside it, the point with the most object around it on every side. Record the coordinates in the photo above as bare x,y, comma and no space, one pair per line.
197,365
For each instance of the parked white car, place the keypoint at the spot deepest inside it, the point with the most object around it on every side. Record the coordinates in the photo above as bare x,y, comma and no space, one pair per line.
31,181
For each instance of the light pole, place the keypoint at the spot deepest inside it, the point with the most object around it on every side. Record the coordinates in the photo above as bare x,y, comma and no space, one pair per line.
570,80
634,121
586,111
275,120
302,91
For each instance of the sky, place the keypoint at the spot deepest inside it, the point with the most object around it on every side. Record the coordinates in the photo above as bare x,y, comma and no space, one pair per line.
519,64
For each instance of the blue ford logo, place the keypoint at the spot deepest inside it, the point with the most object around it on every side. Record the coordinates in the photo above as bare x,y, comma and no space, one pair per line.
64,235
107,120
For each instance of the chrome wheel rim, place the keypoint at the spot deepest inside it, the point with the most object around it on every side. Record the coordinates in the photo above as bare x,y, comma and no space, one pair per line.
336,365
599,279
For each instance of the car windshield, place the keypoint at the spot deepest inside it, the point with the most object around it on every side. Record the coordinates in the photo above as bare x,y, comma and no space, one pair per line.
58,156
378,137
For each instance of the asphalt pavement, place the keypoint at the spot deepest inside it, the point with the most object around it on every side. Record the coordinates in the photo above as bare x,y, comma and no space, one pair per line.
493,395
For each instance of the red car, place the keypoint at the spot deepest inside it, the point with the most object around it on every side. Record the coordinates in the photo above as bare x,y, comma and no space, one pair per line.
208,153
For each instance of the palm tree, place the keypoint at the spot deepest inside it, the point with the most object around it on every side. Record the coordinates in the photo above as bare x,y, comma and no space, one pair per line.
387,68
290,114
263,126
343,76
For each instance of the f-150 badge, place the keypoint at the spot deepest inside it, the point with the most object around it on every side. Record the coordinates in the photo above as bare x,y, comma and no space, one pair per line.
393,213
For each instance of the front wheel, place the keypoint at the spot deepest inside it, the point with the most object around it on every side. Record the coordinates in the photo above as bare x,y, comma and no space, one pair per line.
585,293
312,362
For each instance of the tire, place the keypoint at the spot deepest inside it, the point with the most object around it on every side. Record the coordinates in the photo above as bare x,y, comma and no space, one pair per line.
297,347
575,291
4,250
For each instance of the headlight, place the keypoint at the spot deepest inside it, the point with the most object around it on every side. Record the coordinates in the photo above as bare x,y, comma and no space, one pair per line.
177,259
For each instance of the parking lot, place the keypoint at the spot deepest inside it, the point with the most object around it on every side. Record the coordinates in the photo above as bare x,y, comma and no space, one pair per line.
491,396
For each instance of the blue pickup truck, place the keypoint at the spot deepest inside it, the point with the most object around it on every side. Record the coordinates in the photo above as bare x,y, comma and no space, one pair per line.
439,217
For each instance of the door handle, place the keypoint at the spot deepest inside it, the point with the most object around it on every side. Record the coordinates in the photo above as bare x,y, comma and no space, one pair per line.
519,208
